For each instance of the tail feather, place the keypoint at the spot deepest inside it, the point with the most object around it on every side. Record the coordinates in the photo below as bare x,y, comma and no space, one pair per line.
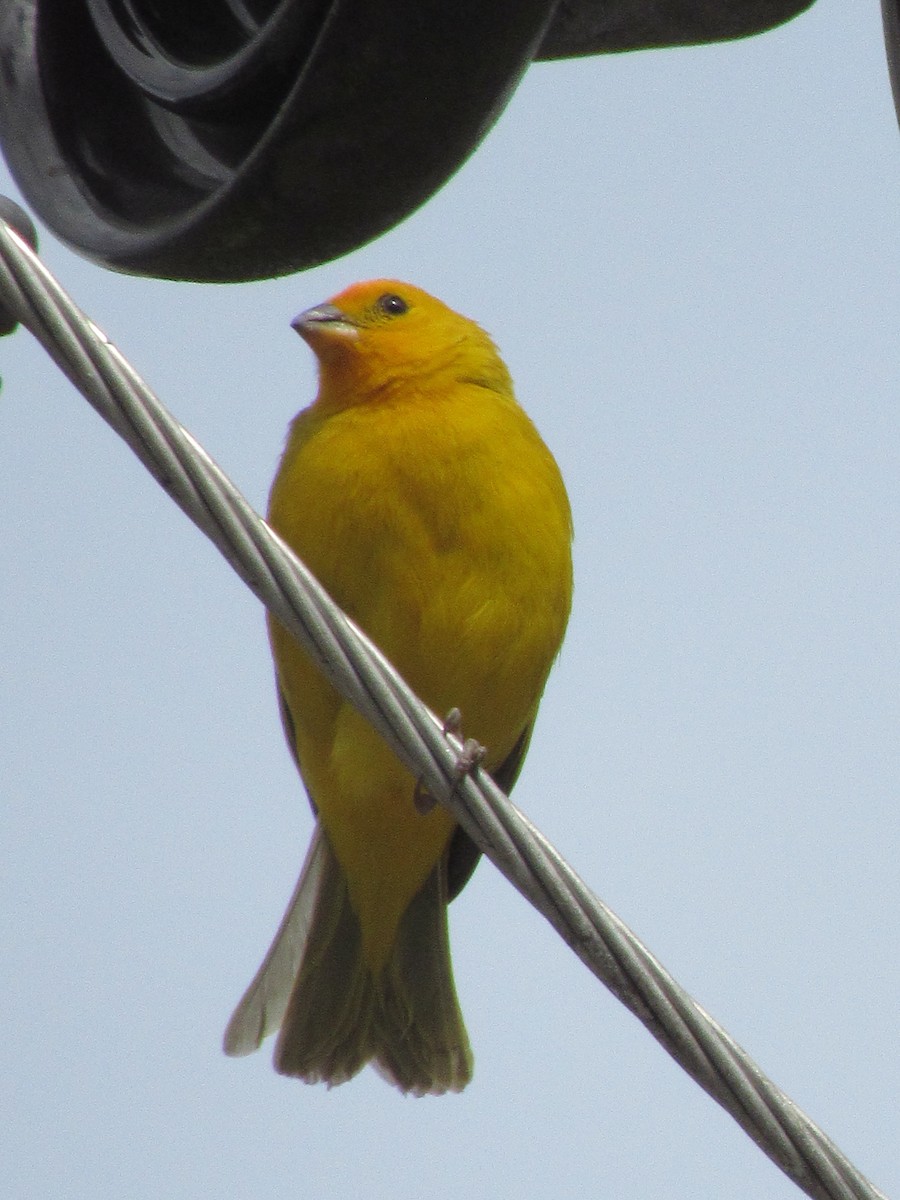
423,1045
262,1007
335,1014
326,1033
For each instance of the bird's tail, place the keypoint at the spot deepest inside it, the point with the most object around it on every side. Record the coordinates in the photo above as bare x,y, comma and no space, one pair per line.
335,1014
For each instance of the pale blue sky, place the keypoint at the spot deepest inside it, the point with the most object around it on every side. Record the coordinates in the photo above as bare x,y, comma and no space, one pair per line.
691,261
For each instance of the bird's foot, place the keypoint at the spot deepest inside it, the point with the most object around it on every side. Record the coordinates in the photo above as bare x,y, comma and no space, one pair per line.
422,799
452,722
471,756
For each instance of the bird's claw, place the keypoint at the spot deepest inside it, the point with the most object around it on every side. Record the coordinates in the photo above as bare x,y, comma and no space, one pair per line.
472,753
471,756
452,722
422,798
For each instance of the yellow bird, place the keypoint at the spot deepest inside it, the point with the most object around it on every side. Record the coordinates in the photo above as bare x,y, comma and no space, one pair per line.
422,497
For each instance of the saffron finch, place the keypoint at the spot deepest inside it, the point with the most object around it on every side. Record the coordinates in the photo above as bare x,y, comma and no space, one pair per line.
422,497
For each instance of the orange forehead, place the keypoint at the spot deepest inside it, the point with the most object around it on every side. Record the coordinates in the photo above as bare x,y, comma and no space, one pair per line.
362,295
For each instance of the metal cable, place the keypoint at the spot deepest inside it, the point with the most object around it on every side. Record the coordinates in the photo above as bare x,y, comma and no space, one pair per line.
362,674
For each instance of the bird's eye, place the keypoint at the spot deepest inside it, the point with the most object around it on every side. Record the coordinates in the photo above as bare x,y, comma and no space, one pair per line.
392,305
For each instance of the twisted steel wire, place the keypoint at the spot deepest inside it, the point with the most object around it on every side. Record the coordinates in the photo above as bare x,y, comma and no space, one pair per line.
362,674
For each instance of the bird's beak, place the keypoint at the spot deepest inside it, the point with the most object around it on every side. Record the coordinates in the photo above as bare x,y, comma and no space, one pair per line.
324,320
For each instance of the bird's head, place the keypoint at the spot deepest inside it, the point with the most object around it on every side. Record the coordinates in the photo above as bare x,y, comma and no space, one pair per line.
376,338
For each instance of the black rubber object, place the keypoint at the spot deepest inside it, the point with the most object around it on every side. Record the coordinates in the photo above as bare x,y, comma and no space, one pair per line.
239,139
18,218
